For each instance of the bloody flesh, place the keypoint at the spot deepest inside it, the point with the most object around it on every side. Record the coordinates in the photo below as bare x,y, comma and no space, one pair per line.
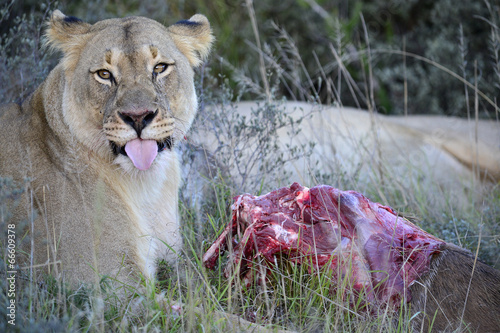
380,253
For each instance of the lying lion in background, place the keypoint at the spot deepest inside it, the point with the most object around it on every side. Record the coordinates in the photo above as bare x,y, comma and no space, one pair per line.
434,157
95,145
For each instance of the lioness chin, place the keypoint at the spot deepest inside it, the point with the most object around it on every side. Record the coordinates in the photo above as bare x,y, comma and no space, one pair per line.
94,145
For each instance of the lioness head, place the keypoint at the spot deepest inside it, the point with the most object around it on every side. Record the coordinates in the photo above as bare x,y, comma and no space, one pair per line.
129,93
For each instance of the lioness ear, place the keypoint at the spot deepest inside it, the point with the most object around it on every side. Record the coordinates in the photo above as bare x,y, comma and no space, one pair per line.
193,38
66,33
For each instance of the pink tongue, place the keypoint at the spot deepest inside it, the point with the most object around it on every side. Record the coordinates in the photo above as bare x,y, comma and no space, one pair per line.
142,152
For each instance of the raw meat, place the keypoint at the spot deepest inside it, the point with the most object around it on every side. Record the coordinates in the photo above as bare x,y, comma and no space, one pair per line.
381,253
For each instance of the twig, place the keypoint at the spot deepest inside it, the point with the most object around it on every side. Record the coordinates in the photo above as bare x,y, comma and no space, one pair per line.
262,66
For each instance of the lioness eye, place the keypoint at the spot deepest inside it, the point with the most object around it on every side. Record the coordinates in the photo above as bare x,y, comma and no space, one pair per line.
104,74
160,68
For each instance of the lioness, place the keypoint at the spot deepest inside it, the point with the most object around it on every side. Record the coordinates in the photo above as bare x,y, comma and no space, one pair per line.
94,144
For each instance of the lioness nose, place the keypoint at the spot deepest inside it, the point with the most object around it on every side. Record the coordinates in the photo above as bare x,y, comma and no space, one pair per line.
138,120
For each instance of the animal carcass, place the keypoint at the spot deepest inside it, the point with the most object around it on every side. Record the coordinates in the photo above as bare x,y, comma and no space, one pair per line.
386,258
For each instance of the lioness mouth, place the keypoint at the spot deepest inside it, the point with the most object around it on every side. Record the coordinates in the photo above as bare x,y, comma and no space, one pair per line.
141,152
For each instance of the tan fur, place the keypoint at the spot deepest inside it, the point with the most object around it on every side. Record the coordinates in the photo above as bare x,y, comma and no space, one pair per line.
459,292
94,209
432,156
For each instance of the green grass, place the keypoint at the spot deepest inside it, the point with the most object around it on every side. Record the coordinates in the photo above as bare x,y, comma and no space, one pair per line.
292,297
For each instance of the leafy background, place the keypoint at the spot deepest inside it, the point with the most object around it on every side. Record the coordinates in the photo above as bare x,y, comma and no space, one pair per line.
461,36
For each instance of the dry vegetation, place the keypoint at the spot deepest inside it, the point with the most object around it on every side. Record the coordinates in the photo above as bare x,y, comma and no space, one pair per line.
346,64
